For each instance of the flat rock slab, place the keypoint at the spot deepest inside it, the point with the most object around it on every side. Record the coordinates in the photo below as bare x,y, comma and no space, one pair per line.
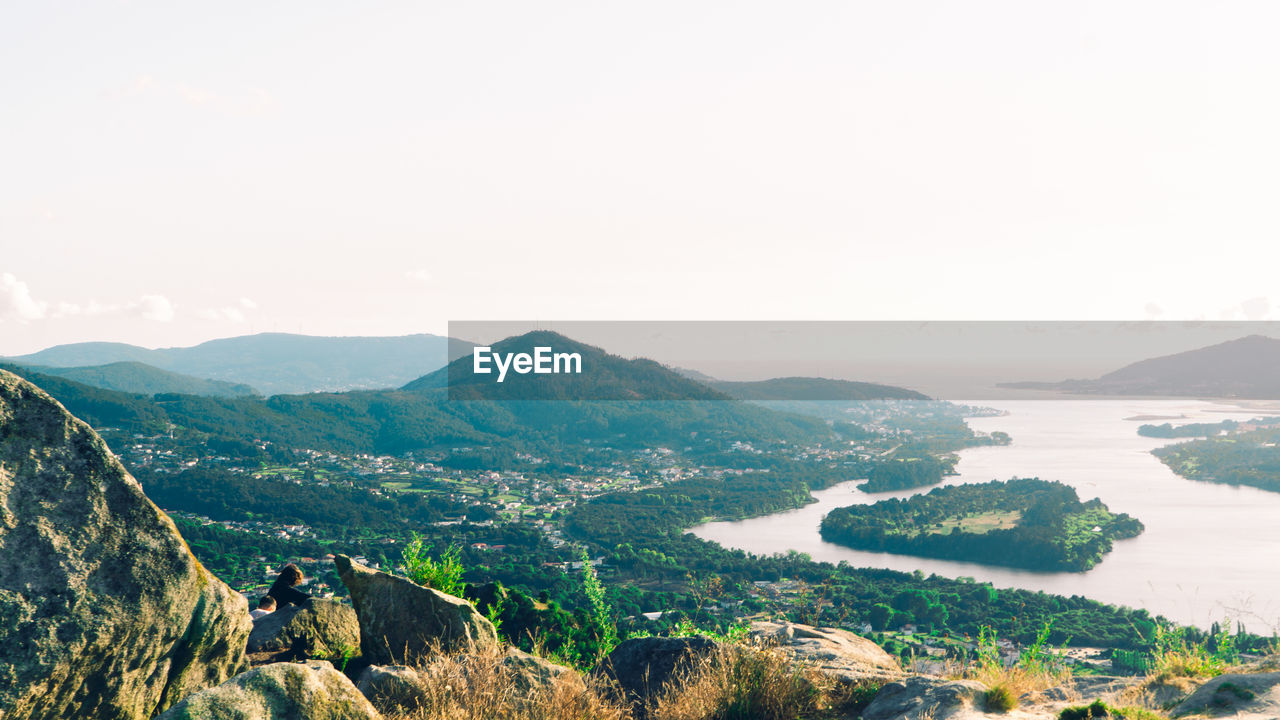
848,657
918,698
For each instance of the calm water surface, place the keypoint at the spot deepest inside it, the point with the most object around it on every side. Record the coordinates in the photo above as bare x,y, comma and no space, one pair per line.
1208,551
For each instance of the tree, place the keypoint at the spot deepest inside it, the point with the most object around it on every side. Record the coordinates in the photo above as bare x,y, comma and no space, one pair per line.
880,616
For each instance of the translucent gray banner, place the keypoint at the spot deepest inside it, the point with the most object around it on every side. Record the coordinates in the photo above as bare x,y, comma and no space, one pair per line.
775,360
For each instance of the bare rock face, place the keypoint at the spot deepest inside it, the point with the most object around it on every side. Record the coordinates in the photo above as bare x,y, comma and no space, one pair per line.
839,653
280,691
104,611
928,698
402,622
1236,694
324,629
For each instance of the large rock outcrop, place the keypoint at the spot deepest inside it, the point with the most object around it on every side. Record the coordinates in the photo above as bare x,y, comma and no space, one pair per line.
401,622
839,653
324,629
104,611
281,691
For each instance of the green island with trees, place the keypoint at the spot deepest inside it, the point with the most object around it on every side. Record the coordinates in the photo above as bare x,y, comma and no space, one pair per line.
906,473
1024,523
1249,458
1200,430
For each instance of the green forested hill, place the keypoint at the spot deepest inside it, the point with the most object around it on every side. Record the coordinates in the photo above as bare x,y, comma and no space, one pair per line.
135,377
394,421
96,406
275,362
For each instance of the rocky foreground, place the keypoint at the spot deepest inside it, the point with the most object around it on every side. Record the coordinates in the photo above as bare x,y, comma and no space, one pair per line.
105,613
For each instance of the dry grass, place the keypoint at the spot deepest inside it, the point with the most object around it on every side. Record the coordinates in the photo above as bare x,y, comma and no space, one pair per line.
737,682
740,682
1158,693
1017,680
478,686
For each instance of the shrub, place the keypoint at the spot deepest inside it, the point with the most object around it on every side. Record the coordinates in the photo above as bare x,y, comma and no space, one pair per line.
602,626
1176,656
1099,709
737,632
444,574
1000,699
1228,693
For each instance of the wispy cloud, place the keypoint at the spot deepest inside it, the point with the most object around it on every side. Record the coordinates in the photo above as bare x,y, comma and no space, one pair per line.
229,313
155,307
16,302
19,305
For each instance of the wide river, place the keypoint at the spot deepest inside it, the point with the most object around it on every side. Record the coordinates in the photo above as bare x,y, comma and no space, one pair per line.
1209,551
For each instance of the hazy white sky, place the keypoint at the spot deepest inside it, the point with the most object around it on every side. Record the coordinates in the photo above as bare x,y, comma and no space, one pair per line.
174,172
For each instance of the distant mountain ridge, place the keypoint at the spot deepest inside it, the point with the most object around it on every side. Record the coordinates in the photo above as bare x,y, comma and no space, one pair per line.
656,410
134,377
275,363
1245,368
810,388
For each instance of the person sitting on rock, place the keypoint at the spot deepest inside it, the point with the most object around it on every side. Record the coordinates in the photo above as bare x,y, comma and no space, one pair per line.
266,606
283,588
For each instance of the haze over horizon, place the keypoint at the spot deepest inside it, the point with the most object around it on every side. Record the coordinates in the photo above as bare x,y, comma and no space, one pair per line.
178,174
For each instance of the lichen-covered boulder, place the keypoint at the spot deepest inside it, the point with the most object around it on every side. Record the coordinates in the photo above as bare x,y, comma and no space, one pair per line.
840,654
402,623
530,672
639,668
104,611
320,628
281,691
393,687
